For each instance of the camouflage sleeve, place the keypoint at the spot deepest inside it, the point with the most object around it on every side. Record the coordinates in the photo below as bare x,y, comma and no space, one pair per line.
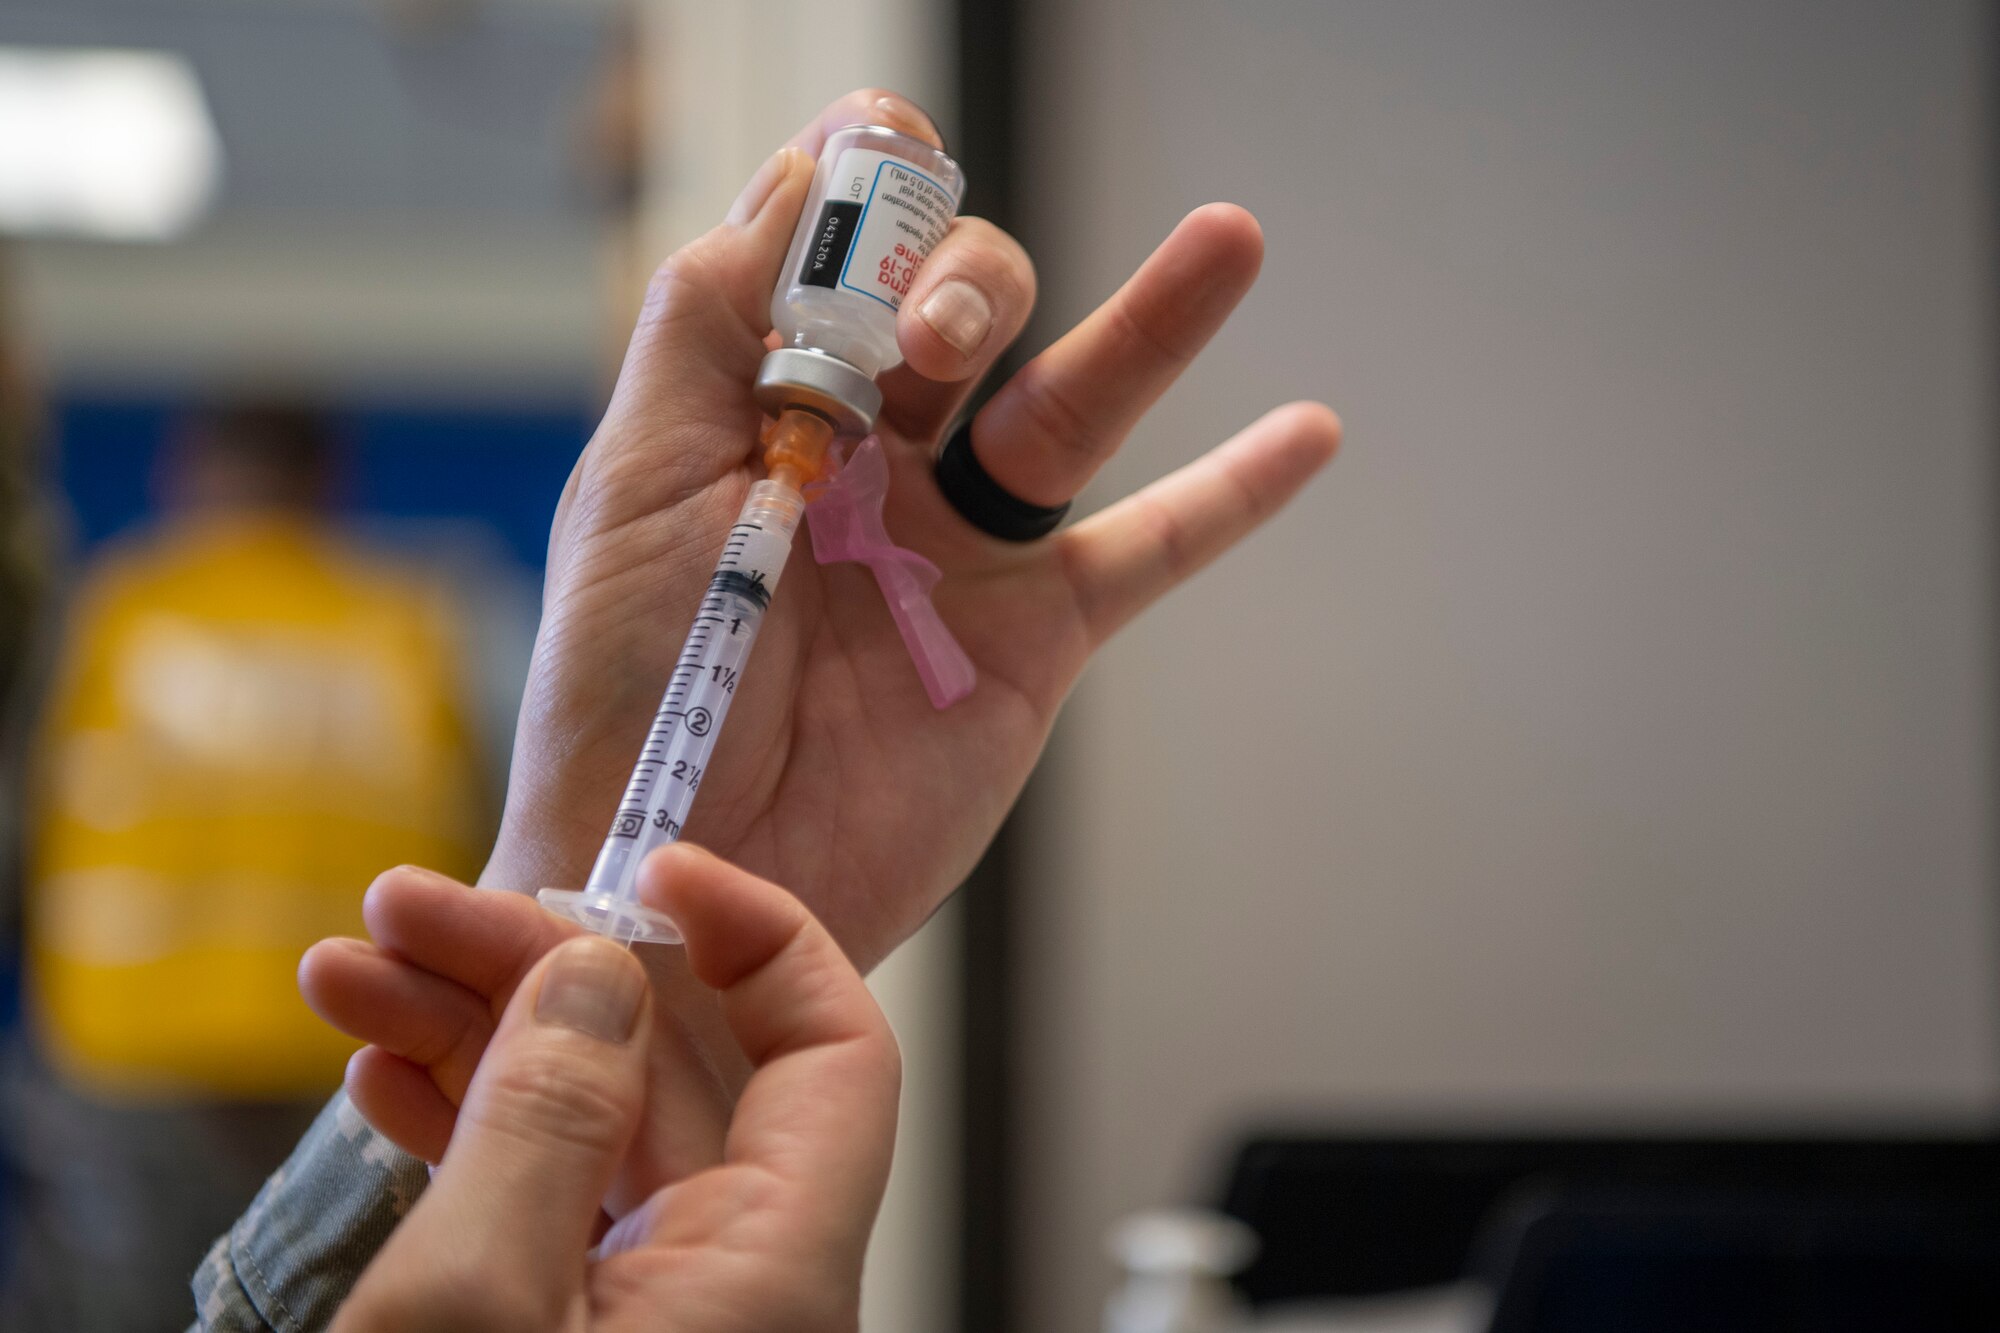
293,1256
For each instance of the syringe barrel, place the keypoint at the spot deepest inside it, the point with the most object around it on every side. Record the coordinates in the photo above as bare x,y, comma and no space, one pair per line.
675,757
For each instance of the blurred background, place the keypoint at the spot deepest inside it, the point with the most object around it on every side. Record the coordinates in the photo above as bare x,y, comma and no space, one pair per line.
1588,784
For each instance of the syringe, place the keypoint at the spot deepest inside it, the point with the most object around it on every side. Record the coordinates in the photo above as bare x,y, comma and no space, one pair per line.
674,759
879,202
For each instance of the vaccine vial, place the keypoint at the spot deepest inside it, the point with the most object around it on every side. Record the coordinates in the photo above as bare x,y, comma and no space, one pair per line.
880,202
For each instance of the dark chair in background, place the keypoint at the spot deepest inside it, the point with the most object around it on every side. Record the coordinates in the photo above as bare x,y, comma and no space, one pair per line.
1579,1233
1826,1259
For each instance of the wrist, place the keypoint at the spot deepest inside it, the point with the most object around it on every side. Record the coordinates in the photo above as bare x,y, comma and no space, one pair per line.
561,790
556,854
544,841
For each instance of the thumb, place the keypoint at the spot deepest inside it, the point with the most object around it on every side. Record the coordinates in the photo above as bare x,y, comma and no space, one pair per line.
682,400
548,1117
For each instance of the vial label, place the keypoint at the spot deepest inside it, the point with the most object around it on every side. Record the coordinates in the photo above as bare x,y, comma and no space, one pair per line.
880,221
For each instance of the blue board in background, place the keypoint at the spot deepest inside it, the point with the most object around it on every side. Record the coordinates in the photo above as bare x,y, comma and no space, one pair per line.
501,468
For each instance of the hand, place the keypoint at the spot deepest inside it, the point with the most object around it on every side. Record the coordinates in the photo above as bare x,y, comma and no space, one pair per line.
835,775
429,992
772,1237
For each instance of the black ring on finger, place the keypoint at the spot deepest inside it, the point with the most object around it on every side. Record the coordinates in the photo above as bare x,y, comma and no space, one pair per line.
984,502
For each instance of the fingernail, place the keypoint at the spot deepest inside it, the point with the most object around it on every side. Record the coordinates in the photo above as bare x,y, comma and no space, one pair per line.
594,987
754,195
957,312
903,114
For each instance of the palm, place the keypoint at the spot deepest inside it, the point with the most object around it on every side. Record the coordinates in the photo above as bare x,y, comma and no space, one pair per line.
854,789
835,775
689,1270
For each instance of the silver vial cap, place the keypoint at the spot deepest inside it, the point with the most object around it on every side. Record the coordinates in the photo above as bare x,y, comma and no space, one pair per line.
799,376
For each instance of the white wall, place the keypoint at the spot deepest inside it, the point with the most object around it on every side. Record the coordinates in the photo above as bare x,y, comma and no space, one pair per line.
403,207
391,307
1607,738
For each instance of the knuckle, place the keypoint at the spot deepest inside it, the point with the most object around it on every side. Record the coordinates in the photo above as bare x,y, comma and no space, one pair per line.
997,259
1170,537
883,1055
544,1096
499,1301
1062,425
449,1295
458,1043
1143,325
895,108
506,1302
685,278
382,890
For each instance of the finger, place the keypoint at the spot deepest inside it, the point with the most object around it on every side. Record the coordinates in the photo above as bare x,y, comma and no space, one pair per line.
425,1019
483,939
867,106
820,1108
969,302
700,334
486,940
514,1203
400,1101
1049,429
1123,558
